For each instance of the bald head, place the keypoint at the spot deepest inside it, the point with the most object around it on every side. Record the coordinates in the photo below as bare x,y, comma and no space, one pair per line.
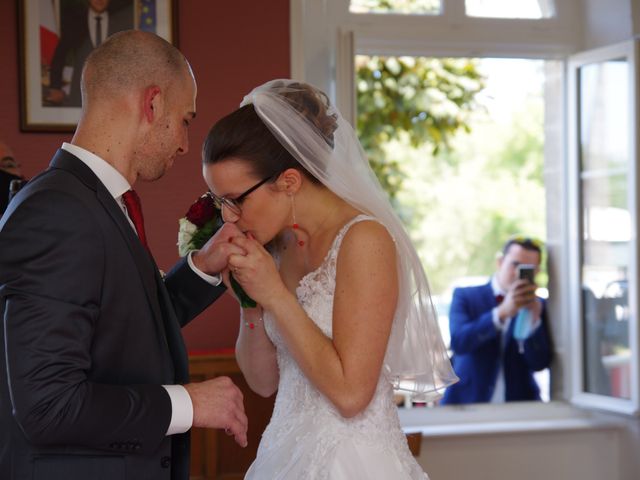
128,61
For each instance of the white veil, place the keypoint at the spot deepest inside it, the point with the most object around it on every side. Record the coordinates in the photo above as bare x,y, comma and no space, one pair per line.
416,360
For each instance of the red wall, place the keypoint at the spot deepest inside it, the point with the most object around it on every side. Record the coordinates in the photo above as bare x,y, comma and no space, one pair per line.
232,47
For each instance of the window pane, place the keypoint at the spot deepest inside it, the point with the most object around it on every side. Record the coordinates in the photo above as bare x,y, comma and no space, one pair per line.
606,227
510,8
408,7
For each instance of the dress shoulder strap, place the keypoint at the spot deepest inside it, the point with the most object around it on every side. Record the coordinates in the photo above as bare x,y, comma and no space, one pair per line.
335,247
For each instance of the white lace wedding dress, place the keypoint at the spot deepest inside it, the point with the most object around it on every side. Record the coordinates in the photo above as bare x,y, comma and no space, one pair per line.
307,438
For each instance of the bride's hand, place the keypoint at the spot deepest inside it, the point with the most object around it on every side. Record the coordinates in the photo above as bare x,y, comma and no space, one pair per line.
227,282
256,271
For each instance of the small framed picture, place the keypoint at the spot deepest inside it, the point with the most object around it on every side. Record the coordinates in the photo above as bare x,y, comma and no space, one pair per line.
56,36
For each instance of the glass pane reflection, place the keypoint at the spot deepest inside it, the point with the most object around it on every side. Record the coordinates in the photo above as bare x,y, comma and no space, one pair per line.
606,227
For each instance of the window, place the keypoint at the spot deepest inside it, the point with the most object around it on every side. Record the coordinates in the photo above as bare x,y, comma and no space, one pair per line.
510,8
406,7
324,42
466,142
605,218
606,227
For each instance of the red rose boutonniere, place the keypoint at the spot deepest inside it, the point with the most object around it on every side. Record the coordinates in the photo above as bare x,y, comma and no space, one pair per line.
200,223
202,211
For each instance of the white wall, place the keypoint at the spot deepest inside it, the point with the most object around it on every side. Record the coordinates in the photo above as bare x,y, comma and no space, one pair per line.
570,455
523,441
607,22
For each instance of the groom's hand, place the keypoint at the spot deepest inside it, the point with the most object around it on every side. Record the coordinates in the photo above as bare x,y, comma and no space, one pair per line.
217,403
212,258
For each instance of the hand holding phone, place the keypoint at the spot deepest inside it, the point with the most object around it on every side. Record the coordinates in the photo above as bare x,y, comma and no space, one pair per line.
526,272
524,320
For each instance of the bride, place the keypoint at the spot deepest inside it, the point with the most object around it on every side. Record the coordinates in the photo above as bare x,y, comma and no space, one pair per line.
344,314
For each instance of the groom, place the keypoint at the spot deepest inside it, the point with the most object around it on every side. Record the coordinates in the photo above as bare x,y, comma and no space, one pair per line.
92,362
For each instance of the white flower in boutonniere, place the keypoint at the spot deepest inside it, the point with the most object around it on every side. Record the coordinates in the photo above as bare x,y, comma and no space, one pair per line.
185,234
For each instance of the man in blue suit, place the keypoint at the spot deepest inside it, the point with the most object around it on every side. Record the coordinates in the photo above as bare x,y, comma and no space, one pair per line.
492,365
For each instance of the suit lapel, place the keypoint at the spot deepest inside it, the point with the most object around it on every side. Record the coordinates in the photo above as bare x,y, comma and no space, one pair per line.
141,257
489,299
155,291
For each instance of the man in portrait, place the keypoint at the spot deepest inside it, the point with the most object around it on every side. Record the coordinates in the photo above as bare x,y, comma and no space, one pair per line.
84,25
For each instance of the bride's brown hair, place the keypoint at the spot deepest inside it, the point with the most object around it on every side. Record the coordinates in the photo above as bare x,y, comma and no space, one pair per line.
242,134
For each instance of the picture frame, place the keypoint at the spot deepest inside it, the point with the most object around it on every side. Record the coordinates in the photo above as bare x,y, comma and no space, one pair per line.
55,38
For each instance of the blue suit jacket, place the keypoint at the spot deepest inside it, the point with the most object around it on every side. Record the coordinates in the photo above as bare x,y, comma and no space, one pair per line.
476,351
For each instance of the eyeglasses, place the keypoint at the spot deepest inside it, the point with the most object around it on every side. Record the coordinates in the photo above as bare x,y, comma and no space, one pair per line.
234,204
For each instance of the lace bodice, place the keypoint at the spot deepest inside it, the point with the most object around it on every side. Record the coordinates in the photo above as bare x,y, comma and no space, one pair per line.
306,414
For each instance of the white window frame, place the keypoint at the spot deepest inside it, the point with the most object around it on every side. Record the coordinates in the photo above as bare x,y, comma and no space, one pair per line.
319,28
628,51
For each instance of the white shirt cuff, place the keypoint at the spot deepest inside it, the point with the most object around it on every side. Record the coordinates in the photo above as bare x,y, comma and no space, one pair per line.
214,280
181,409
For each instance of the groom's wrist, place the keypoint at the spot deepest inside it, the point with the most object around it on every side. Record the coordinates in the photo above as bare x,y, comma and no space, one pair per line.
214,280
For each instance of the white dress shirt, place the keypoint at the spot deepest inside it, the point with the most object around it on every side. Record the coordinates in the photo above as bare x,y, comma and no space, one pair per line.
116,184
104,25
500,388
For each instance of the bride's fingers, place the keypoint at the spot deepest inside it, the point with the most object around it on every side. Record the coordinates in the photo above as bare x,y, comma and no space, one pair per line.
248,243
237,262
251,260
225,277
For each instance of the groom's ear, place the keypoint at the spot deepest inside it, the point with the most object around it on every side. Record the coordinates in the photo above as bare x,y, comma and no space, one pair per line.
289,181
151,103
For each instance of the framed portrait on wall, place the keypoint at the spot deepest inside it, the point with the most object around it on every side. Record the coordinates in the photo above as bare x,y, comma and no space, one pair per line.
56,36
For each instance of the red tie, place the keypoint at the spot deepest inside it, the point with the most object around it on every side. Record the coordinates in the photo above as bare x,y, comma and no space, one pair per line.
499,299
134,210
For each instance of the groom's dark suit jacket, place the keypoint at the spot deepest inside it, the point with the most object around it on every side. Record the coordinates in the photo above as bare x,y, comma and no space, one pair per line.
90,333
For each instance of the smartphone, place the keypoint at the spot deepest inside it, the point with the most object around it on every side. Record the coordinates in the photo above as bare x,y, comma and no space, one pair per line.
526,272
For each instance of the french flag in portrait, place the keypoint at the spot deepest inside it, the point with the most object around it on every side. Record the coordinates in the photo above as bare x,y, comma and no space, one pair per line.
49,35
148,18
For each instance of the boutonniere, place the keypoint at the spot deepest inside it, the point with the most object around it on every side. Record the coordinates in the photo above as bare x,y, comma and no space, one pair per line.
200,223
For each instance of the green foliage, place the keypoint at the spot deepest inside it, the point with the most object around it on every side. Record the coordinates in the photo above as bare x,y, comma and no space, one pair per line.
467,201
396,6
202,236
522,153
245,300
461,191
420,101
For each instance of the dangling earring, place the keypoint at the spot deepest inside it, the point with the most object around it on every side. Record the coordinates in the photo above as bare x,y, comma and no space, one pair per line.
295,223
